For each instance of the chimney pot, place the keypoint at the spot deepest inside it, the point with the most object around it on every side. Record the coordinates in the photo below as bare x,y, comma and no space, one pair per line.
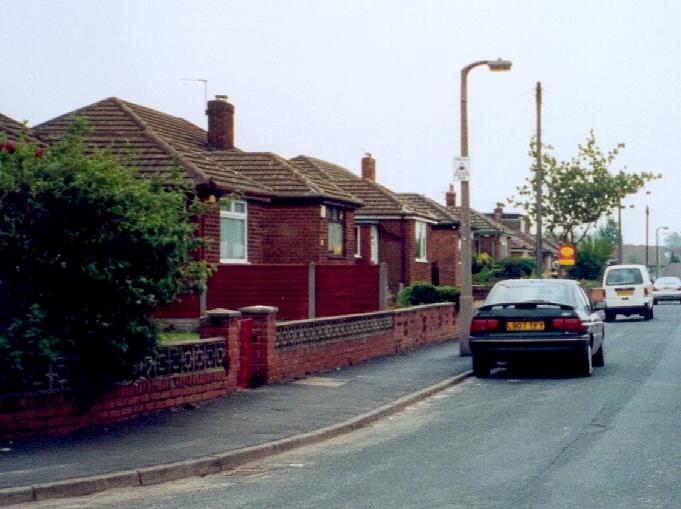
499,212
450,197
220,123
369,168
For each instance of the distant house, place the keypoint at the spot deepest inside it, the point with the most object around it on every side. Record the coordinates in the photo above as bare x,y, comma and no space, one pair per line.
487,235
416,240
522,242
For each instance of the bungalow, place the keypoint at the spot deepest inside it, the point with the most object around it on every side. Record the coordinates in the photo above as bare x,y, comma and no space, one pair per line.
389,227
278,214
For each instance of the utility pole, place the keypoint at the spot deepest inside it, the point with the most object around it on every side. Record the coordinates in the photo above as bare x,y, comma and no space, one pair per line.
538,184
647,214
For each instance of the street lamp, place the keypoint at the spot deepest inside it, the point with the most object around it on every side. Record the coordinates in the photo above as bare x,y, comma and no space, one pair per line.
657,248
466,298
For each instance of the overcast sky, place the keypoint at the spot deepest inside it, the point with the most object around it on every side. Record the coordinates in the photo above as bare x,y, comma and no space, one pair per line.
336,79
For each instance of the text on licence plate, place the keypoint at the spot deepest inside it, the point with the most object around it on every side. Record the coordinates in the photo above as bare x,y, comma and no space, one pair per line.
624,292
524,325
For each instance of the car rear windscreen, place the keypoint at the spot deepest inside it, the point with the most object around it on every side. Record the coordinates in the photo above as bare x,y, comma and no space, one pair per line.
630,276
547,292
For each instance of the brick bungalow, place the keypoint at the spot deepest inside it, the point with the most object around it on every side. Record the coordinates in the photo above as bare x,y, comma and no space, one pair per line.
281,214
389,228
523,243
487,235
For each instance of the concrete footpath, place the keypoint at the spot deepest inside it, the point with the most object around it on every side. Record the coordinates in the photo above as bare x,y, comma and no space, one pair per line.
221,434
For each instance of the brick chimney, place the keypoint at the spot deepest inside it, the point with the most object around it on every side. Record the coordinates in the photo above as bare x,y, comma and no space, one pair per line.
369,167
220,123
499,212
450,197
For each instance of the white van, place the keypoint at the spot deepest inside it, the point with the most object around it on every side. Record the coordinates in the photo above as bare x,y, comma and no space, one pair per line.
628,291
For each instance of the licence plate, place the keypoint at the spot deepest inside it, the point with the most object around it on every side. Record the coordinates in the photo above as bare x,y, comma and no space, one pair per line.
524,326
624,292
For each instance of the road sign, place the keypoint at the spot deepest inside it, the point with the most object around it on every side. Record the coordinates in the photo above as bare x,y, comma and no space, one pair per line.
462,169
566,254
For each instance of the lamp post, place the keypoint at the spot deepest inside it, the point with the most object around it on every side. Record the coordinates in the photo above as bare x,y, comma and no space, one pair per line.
657,248
466,298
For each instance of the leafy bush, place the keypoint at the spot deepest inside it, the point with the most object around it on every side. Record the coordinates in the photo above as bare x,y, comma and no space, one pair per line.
87,251
449,293
426,293
514,267
483,276
592,257
481,262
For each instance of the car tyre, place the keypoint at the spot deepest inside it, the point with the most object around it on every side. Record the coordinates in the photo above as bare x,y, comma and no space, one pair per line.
598,359
481,366
585,365
647,313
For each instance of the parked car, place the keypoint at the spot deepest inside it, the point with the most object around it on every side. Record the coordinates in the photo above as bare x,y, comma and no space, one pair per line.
523,318
628,291
667,288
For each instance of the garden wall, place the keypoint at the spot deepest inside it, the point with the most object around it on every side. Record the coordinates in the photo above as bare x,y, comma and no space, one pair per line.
248,348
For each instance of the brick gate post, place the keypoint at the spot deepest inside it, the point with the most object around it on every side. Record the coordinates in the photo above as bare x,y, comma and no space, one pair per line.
225,323
263,351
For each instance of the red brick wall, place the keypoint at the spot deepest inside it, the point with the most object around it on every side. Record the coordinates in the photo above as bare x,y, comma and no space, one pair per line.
31,415
390,251
413,327
282,286
442,249
344,290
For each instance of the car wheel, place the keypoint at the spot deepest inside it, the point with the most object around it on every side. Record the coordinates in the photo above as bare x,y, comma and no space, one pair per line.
647,313
481,366
598,359
585,366
609,316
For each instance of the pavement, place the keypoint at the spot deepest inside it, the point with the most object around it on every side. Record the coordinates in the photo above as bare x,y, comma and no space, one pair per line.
229,431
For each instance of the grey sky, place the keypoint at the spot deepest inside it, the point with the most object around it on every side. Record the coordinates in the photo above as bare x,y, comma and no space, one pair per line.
333,79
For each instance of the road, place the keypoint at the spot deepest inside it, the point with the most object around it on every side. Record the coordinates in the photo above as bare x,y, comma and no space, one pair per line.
531,439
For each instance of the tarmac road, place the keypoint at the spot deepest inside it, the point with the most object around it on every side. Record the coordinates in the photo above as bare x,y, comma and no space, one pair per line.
523,439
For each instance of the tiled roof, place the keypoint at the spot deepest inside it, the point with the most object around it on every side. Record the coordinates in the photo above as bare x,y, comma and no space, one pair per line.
443,214
13,129
285,178
159,142
378,200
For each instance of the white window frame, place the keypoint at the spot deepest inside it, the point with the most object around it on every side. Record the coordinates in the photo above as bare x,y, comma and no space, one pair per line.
334,217
421,227
358,242
374,243
228,211
504,247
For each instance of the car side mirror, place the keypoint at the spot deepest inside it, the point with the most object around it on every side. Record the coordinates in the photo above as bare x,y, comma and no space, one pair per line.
599,305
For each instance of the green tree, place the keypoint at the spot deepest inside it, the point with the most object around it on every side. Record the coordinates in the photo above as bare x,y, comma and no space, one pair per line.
673,242
593,254
87,251
579,192
608,231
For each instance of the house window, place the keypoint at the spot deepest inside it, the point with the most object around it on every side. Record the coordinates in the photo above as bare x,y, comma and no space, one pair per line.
358,250
421,229
335,220
504,247
233,232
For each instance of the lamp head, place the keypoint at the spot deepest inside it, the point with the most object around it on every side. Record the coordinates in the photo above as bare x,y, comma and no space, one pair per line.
499,65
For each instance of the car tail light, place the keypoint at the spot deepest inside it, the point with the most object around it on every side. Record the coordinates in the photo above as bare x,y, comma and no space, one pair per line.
655,288
484,325
679,288
568,324
645,292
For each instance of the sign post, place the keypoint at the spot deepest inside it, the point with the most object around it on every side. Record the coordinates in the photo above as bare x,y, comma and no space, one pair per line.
462,169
